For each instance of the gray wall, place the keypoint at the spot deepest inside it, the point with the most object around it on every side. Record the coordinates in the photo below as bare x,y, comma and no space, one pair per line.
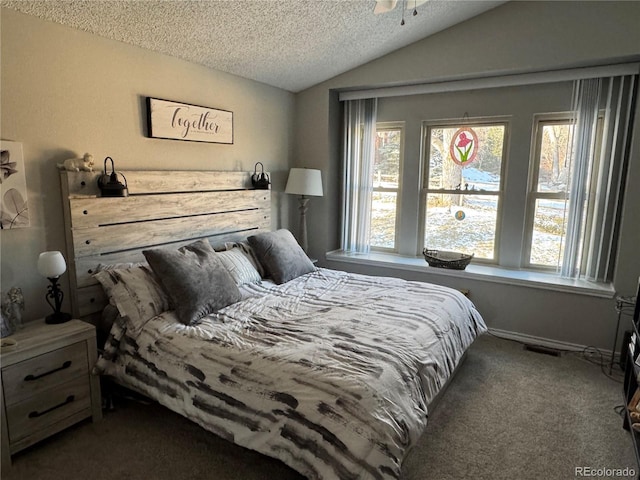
66,92
515,37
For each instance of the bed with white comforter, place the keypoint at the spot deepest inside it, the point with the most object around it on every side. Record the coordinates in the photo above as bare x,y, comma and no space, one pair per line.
332,372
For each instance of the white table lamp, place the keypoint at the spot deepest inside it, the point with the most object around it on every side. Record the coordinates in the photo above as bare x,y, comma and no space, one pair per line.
305,182
52,265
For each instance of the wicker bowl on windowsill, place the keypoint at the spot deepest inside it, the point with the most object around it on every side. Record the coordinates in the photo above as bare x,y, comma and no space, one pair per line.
444,259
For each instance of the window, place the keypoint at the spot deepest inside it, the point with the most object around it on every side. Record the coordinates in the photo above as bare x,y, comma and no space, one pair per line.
518,187
386,186
548,196
463,187
576,179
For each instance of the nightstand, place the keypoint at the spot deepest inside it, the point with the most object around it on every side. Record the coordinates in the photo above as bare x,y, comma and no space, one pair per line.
47,383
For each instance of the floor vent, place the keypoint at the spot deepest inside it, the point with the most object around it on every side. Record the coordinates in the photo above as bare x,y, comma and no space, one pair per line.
542,349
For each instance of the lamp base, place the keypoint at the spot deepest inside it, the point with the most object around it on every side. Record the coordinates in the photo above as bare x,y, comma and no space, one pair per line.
303,222
59,317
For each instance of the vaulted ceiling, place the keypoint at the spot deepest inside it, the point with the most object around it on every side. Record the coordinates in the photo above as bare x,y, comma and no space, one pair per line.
290,44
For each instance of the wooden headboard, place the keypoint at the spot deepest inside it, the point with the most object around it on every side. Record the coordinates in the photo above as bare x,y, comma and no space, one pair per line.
164,208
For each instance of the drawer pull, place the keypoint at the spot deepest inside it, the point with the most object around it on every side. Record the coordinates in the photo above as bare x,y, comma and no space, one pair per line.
36,414
30,378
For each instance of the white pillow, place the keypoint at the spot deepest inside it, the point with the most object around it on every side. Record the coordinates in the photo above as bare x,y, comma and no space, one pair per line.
135,292
239,267
248,252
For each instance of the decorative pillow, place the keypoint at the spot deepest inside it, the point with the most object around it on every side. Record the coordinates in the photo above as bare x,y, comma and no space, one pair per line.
119,266
194,279
281,255
109,314
135,292
248,252
239,266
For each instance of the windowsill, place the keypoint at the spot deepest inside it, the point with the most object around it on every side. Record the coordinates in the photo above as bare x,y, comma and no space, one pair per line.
526,278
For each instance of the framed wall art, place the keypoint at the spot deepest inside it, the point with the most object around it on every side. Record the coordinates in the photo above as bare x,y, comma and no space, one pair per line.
182,121
14,211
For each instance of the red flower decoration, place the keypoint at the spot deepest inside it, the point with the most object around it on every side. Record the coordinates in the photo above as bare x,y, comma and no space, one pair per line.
463,148
464,141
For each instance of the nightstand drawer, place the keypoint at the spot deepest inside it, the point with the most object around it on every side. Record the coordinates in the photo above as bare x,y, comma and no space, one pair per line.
28,378
38,412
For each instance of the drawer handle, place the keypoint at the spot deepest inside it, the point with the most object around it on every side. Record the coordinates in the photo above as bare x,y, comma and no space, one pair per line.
36,414
30,378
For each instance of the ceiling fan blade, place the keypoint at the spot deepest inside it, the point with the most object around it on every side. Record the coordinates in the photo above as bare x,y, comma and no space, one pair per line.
384,6
414,3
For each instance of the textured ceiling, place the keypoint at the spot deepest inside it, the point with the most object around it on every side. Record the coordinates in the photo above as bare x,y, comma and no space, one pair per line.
291,44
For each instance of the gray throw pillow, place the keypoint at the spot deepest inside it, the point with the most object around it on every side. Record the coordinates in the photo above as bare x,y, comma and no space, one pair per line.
194,279
281,256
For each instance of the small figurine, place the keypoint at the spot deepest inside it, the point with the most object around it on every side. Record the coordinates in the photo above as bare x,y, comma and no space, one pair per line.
6,329
84,164
12,306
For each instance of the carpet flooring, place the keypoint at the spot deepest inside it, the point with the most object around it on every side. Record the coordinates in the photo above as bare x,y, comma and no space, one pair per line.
509,414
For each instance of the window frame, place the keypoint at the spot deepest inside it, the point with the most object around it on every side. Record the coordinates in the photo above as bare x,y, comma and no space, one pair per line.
485,121
387,126
540,120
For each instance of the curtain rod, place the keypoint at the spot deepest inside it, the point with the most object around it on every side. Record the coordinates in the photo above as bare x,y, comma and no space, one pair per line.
512,80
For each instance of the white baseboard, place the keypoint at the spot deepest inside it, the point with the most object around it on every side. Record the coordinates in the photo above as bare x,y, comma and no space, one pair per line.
545,342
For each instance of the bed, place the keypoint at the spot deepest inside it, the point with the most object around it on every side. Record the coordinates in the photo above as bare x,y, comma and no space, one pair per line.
331,372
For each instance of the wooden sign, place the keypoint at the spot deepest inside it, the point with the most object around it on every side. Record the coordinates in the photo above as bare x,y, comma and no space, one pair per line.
182,121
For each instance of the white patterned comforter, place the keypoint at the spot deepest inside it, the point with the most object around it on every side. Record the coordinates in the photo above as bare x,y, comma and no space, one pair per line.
331,373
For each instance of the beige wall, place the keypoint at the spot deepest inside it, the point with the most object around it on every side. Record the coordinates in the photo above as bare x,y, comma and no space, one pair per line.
66,92
515,37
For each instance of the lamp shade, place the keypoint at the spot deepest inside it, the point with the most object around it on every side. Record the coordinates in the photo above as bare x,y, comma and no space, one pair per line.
51,264
304,181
